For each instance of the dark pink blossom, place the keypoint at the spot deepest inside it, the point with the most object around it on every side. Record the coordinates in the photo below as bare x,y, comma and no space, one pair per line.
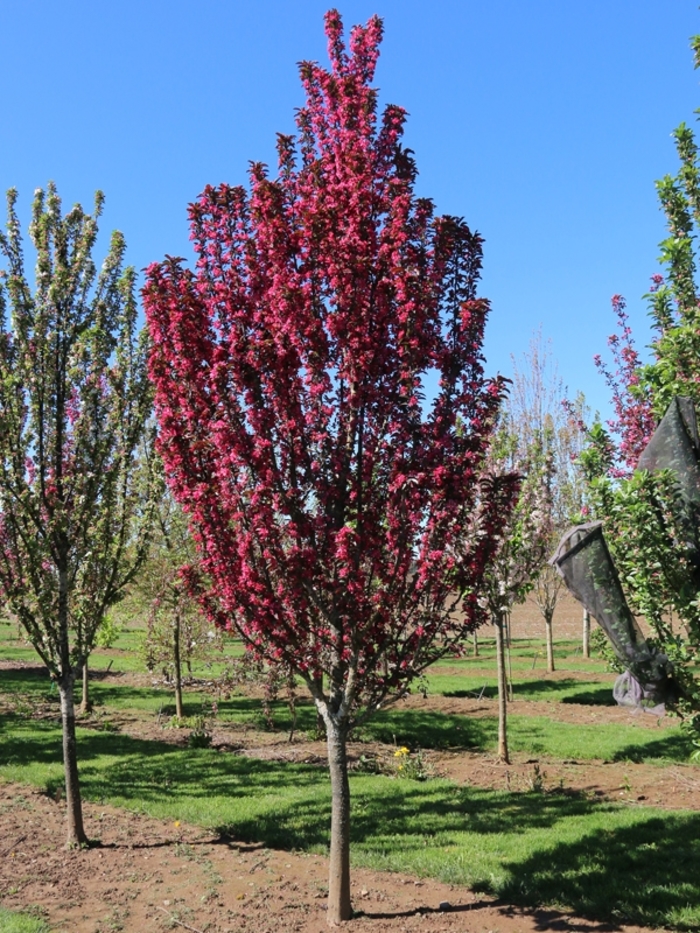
338,525
634,420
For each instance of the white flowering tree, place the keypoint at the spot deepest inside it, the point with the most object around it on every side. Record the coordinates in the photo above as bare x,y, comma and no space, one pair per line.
75,507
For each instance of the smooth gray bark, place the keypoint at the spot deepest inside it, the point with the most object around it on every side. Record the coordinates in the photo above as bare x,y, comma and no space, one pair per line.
339,906
502,690
178,668
550,642
74,810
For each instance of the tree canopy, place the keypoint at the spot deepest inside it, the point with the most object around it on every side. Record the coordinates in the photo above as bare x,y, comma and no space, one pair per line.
341,517
74,399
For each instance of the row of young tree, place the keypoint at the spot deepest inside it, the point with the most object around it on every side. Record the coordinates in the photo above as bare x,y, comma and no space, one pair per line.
345,524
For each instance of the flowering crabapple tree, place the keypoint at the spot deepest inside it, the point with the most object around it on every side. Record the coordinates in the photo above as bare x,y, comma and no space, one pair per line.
74,399
340,518
638,507
631,393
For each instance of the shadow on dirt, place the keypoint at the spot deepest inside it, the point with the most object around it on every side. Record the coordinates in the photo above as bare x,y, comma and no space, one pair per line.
633,865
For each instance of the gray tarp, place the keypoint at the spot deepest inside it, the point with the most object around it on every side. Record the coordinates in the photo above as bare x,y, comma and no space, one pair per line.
674,446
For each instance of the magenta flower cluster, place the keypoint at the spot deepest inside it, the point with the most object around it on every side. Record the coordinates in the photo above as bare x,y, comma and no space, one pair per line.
336,513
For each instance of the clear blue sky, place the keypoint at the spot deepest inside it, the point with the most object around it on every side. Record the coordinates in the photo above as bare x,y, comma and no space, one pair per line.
543,123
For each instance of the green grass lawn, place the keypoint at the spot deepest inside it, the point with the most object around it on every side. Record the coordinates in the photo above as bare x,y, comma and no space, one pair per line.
607,861
14,921
527,654
533,735
591,692
124,655
604,860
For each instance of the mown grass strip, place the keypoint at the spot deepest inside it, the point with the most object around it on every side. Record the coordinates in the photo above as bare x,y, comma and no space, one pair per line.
536,736
593,692
14,921
605,861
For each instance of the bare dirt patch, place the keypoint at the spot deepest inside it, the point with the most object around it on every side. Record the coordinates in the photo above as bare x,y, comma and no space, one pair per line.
150,875
147,875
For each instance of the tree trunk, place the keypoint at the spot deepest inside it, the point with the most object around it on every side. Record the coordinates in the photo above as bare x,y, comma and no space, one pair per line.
550,642
66,687
586,633
320,721
502,690
178,668
339,906
509,659
76,831
292,703
85,704
475,639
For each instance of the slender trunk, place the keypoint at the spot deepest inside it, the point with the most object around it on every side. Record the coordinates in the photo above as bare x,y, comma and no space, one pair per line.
320,721
178,668
550,642
475,639
66,687
85,704
509,660
292,703
586,633
339,906
502,688
76,831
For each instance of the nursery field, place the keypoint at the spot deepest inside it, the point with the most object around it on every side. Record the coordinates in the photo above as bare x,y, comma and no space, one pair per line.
222,824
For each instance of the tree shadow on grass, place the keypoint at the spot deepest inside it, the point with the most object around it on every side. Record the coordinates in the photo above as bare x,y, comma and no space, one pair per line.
581,692
391,814
247,709
676,747
122,696
532,735
589,693
27,680
487,692
601,696
431,729
25,744
117,765
645,873
279,803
